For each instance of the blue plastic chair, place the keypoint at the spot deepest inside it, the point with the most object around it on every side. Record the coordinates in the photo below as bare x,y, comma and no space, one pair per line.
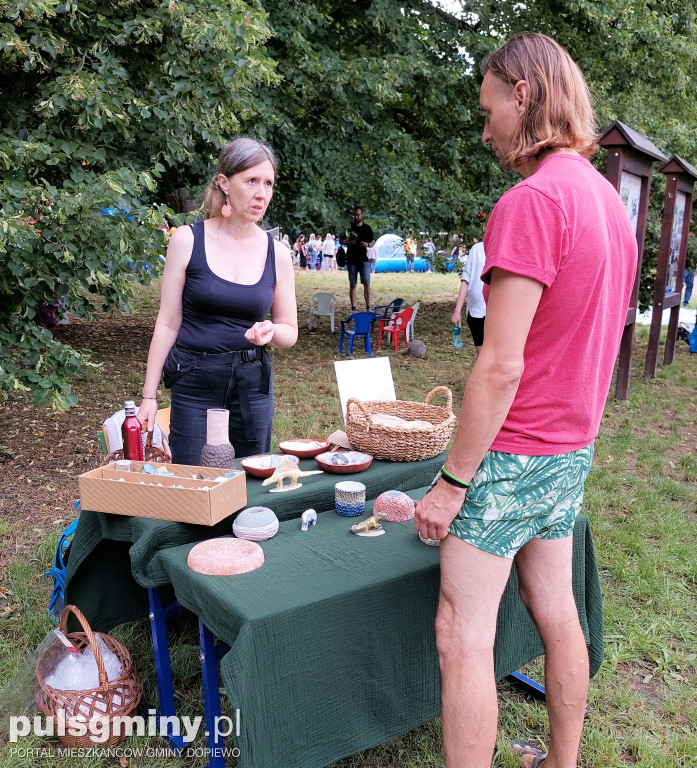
388,309
362,328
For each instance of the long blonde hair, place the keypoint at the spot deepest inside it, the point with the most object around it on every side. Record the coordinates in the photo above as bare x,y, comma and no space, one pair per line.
559,111
237,156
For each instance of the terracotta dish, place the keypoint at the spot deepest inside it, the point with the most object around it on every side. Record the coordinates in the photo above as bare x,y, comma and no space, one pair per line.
225,557
303,449
344,462
264,464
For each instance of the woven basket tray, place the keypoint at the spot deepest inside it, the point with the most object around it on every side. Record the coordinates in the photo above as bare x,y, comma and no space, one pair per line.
114,698
397,443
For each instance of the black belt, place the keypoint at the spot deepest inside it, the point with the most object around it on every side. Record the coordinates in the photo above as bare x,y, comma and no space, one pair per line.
206,359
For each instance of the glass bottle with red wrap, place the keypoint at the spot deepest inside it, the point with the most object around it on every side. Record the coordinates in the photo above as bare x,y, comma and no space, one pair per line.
132,433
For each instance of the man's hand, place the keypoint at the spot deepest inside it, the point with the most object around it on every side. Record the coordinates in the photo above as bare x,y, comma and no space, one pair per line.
438,509
456,318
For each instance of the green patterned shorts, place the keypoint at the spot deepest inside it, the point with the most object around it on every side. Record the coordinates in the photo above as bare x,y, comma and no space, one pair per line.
514,498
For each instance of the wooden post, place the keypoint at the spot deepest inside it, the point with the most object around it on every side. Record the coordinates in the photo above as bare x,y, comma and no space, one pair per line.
672,252
629,159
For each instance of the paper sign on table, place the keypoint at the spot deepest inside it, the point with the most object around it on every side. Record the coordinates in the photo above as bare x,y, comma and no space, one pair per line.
369,379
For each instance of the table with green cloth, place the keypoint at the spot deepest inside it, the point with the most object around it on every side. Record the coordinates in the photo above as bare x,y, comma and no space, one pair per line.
332,644
109,550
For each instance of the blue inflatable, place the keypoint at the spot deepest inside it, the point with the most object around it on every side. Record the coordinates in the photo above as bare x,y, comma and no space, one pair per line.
391,256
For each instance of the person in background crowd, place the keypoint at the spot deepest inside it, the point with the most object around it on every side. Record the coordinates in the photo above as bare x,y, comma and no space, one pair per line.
409,246
313,251
329,252
559,244
456,252
222,277
360,238
301,248
689,281
429,247
471,293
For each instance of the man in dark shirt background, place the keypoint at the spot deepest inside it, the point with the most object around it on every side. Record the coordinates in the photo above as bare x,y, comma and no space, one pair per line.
360,238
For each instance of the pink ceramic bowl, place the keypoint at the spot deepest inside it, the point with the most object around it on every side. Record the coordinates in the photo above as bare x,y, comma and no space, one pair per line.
344,462
303,448
265,464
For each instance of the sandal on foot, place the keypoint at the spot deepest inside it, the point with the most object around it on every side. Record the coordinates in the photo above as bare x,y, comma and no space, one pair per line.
522,748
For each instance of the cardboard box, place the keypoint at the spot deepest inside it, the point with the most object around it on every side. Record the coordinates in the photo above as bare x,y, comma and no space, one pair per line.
202,502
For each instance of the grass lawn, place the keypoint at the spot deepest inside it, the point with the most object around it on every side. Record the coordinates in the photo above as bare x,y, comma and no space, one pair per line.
641,497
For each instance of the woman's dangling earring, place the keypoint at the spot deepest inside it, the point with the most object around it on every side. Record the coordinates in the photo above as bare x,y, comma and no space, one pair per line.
226,210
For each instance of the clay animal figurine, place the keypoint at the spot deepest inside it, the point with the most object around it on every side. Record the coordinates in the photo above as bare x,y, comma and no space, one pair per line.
369,527
290,470
308,518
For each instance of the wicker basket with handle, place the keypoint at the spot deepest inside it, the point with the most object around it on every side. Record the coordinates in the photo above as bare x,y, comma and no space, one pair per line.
118,697
151,453
397,443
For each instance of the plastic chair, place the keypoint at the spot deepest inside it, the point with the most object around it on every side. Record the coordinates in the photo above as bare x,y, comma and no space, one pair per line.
362,328
410,324
321,305
395,326
388,309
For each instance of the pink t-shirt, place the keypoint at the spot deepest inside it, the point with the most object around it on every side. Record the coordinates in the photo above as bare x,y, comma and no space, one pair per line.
566,227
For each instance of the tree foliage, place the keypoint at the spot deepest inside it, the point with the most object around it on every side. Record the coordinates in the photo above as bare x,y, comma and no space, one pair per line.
105,105
371,102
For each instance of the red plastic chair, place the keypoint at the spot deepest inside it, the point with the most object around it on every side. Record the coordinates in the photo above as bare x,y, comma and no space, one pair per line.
395,326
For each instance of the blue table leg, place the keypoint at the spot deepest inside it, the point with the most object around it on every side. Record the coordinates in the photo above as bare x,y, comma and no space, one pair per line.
530,686
211,694
163,669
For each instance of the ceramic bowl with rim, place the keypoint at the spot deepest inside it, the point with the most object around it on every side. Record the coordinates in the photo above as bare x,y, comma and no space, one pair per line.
265,464
349,498
303,448
344,462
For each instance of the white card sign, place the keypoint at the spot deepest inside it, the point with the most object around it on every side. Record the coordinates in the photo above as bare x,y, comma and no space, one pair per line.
369,379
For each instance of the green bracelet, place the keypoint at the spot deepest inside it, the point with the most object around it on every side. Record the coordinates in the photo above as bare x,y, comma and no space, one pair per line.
452,480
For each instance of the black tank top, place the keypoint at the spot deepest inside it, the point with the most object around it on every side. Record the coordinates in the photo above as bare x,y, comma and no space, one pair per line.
217,312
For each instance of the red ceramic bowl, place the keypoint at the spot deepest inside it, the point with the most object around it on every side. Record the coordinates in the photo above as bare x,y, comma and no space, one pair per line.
344,462
264,464
303,449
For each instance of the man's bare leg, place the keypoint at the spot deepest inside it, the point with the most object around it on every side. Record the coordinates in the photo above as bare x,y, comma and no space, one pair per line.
366,294
472,582
545,576
352,295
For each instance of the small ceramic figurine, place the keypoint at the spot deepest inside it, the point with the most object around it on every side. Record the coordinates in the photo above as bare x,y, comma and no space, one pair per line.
308,518
369,527
288,469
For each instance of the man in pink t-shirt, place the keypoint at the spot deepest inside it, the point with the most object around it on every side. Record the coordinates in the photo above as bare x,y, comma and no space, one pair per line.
560,263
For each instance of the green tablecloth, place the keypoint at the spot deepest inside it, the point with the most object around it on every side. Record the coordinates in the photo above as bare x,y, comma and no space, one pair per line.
107,570
332,639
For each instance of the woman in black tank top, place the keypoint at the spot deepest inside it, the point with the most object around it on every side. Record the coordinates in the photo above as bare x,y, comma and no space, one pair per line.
222,278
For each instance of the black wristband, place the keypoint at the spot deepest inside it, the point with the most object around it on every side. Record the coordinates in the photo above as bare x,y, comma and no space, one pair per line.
452,480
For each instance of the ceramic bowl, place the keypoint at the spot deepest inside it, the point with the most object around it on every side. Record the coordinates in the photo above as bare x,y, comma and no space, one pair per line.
349,498
264,464
303,448
255,524
344,462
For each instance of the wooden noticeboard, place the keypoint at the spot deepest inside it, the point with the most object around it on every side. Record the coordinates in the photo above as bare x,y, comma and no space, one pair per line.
629,159
672,252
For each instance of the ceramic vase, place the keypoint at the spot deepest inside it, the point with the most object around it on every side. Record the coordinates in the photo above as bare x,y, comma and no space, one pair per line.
218,450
